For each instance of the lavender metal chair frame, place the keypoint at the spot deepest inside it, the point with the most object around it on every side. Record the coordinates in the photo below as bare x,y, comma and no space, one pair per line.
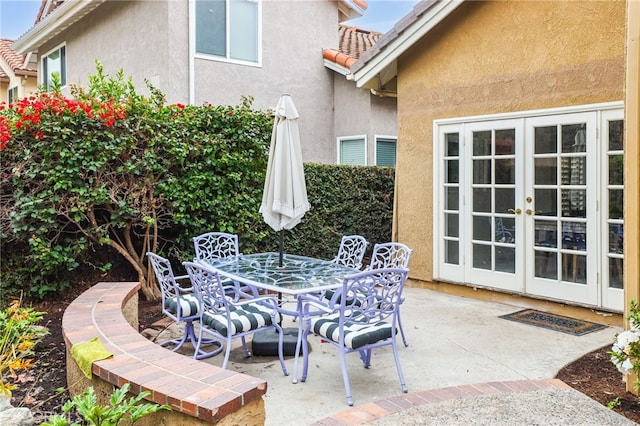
213,246
226,317
351,251
360,316
178,302
391,255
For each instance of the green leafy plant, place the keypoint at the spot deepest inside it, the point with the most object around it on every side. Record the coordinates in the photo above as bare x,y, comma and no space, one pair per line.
625,352
120,411
107,175
18,336
615,402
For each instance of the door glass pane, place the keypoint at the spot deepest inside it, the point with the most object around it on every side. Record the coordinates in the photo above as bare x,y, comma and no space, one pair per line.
546,265
505,144
574,202
546,171
615,238
481,256
546,140
482,143
615,203
546,202
616,273
482,200
574,138
451,170
481,171
616,131
452,228
451,250
451,199
451,144
505,199
574,268
546,234
616,169
574,171
574,236
505,171
505,230
506,259
482,228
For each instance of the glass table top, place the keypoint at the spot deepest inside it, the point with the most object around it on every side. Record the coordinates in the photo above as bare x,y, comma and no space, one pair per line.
299,274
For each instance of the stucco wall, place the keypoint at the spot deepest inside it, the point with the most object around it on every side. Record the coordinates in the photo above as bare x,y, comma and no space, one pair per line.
149,40
133,36
358,112
293,36
496,57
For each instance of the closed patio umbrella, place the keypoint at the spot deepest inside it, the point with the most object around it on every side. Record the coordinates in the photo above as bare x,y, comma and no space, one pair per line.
284,200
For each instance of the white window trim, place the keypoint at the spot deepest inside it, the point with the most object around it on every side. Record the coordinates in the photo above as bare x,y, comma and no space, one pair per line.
215,58
43,78
17,96
342,138
375,146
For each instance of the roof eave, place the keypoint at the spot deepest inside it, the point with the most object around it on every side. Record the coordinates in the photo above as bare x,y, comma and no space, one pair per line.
351,9
337,68
63,16
384,56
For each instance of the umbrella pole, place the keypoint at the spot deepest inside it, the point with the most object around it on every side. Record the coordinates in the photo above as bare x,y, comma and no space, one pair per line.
281,249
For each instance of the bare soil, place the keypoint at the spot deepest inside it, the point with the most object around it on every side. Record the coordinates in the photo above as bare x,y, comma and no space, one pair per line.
42,389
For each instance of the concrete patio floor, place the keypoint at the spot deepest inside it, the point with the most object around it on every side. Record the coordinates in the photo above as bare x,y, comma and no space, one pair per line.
453,342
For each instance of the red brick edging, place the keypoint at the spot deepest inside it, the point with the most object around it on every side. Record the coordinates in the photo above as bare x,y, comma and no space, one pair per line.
374,410
198,389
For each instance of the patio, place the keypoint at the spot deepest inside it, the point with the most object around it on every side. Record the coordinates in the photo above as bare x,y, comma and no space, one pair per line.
453,341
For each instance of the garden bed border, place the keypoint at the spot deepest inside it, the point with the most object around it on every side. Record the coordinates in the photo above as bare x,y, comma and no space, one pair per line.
197,392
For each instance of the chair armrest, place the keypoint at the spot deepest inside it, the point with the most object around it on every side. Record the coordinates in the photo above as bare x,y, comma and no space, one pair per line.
268,299
182,289
308,300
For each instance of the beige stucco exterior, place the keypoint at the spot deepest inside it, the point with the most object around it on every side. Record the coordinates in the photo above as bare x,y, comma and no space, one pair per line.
496,57
150,40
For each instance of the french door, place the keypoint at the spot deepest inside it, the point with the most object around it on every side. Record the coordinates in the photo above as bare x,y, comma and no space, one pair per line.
532,205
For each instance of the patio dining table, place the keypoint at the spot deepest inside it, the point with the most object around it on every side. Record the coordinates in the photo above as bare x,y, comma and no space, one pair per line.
297,275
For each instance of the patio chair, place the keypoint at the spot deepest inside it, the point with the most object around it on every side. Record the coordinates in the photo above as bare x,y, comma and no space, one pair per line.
363,315
215,246
178,302
351,251
225,318
391,255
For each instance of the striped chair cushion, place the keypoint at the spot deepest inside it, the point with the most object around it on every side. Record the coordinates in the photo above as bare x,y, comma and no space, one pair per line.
356,334
246,318
188,305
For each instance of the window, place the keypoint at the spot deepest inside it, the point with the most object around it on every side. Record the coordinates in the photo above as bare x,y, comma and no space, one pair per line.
55,62
12,94
352,150
386,151
228,29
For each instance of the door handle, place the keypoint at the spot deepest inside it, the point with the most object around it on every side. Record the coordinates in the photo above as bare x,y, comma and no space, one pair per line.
515,211
529,212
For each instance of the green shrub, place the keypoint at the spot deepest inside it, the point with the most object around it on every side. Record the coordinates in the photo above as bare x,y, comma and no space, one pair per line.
110,173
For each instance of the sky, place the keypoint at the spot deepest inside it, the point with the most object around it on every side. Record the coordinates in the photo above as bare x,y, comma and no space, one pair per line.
17,16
